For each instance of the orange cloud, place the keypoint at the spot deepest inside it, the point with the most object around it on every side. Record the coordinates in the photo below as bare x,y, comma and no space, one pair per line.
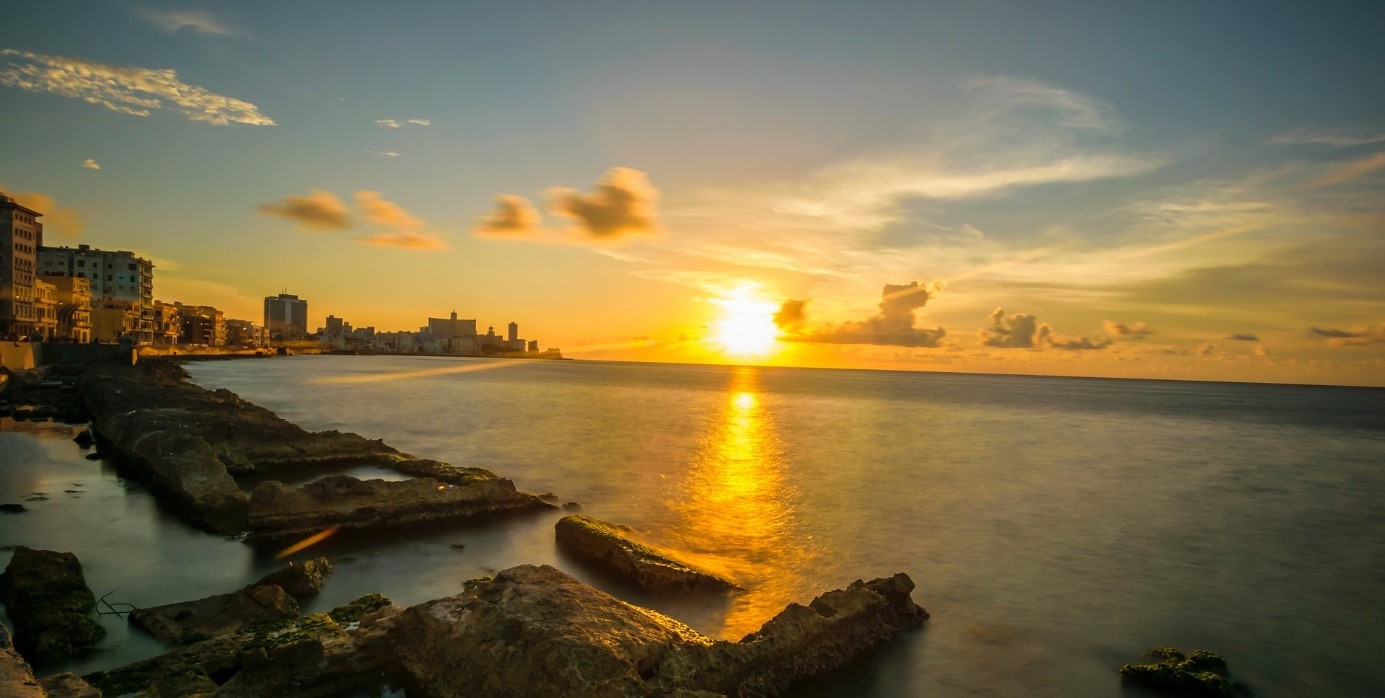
1349,171
402,229
63,222
512,215
319,210
405,240
623,204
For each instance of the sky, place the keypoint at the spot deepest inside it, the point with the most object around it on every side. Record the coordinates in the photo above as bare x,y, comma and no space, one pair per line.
1152,190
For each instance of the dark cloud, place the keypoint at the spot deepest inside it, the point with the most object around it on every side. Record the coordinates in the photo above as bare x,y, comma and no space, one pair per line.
623,204
319,210
1024,331
1206,349
512,215
790,315
1358,336
1243,337
892,326
1329,332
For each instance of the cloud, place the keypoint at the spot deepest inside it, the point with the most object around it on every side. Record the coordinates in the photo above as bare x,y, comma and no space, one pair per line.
407,240
1335,139
791,315
384,153
91,164
63,222
401,228
892,326
125,89
1120,329
1358,336
1243,337
319,210
1024,331
1205,349
623,204
1261,352
512,215
199,21
1349,171
397,123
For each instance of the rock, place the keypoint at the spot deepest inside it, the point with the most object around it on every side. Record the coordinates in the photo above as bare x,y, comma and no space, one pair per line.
549,497
610,547
16,678
191,443
280,511
193,621
572,506
312,656
94,456
47,597
537,631
68,685
300,580
1198,673
84,439
13,508
459,547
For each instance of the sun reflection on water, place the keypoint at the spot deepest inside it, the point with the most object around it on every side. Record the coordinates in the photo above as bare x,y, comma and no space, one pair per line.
735,513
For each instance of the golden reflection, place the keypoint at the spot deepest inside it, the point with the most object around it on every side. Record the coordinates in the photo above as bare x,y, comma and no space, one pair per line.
735,513
423,373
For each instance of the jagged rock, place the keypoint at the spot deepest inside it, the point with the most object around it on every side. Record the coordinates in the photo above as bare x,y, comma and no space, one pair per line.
610,547
47,597
191,442
537,631
1198,673
68,685
16,678
312,656
278,510
299,580
13,508
84,439
193,621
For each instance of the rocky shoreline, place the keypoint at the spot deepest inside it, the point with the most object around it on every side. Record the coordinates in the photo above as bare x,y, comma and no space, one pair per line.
529,630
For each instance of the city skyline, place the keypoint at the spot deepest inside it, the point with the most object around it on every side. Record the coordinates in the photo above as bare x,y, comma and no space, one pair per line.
1192,192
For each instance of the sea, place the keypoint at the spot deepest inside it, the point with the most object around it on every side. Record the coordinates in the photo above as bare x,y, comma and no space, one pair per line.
1055,527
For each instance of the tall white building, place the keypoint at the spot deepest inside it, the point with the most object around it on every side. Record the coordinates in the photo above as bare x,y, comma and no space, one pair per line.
21,235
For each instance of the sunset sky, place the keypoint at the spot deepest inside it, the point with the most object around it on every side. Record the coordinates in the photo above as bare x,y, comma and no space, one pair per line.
1169,190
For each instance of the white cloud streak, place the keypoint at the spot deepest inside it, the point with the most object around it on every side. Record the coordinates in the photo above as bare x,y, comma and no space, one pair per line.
199,21
125,89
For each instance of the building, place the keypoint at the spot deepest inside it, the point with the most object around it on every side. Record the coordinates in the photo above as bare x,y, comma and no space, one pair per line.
202,324
45,310
244,333
21,236
118,275
533,345
73,296
446,328
513,335
286,317
336,327
168,323
113,320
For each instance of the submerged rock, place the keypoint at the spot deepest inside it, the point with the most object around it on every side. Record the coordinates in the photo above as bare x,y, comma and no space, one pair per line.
47,597
610,547
193,621
278,510
1198,673
537,631
301,579
16,678
13,508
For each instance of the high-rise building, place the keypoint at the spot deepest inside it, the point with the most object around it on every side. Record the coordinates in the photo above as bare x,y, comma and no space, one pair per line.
444,328
119,276
286,317
514,334
21,235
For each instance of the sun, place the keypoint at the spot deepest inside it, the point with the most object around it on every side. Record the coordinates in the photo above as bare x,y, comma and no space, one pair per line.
746,327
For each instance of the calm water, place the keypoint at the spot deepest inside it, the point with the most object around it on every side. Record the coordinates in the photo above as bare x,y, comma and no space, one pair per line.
1055,527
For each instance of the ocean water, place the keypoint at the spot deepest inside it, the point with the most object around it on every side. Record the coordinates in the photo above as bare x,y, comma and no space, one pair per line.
1055,527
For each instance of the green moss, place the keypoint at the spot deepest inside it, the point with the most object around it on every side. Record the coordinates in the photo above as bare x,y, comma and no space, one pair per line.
353,612
282,633
1198,673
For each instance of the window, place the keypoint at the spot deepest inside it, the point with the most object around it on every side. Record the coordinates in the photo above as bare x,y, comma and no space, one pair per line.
132,267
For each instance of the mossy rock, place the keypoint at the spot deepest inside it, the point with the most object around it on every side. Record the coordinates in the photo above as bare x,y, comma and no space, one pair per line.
1197,673
354,611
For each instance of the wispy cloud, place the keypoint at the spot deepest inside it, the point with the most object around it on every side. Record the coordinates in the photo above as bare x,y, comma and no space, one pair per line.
511,215
1336,139
320,210
401,123
1120,329
399,228
405,240
91,164
384,153
199,21
125,89
1349,171
1357,336
1243,337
